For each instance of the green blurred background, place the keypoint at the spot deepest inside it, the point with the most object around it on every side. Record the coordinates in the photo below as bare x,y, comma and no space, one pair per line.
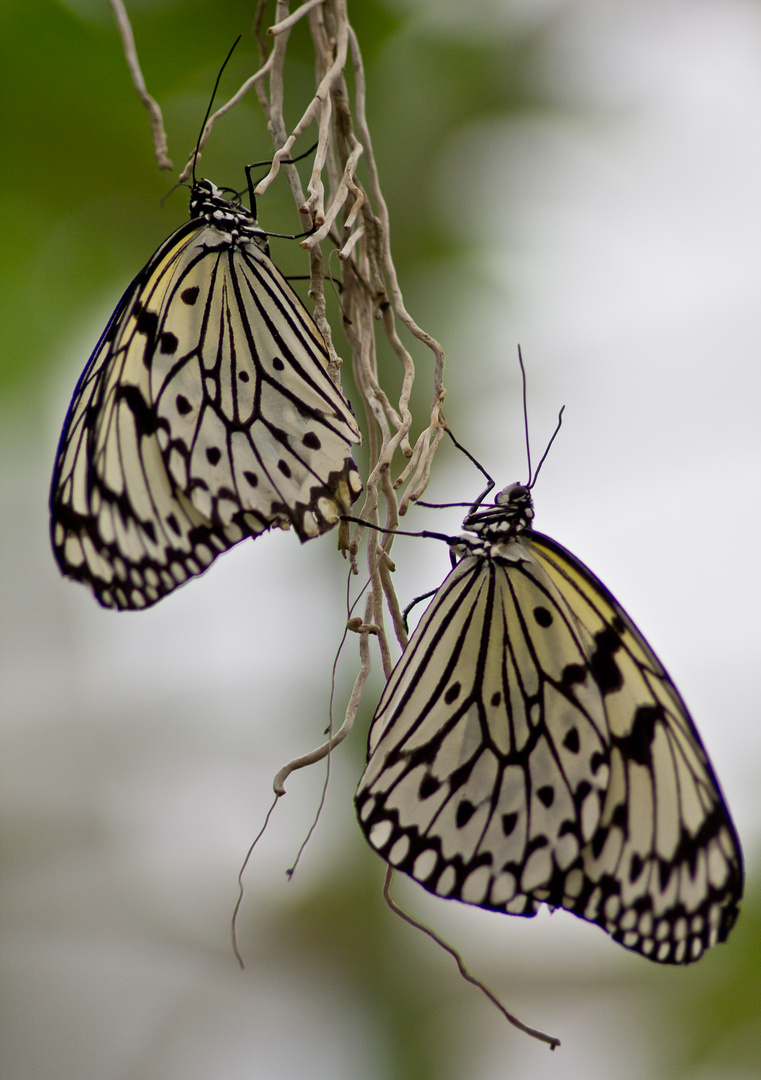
581,176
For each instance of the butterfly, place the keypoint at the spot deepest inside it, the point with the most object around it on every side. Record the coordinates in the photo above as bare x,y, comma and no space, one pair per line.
529,748
205,415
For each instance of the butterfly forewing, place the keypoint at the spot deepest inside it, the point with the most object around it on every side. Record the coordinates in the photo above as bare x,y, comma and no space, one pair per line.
205,415
529,748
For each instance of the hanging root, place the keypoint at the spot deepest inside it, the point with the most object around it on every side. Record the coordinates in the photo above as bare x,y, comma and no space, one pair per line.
533,1032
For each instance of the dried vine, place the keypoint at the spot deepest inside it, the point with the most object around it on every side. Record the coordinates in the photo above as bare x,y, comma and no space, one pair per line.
337,208
351,215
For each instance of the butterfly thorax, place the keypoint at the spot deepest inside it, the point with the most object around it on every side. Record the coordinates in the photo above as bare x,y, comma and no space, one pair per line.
207,203
511,514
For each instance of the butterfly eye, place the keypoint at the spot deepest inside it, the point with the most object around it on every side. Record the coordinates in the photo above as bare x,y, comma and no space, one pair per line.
512,494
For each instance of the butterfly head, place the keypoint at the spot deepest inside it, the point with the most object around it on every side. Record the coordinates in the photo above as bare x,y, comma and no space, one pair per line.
511,513
518,504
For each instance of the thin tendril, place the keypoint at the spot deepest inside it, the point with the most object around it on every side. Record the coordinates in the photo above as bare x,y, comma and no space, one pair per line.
241,872
292,870
551,1040
329,730
281,791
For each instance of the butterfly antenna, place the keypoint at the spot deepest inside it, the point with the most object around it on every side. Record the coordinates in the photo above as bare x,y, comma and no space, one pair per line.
532,476
549,444
525,417
211,102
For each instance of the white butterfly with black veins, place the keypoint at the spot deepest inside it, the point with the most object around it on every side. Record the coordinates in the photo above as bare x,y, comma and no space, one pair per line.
530,748
205,415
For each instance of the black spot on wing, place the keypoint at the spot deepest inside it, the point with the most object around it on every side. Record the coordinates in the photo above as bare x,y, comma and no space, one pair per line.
453,692
461,775
147,323
605,670
637,745
145,418
168,343
573,674
571,741
543,616
428,786
546,795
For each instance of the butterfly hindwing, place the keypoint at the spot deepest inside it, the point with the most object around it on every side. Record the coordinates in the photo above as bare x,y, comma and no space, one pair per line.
529,748
206,414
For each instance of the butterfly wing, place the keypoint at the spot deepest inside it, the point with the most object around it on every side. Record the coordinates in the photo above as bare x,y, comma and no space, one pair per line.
663,873
530,748
251,427
187,431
